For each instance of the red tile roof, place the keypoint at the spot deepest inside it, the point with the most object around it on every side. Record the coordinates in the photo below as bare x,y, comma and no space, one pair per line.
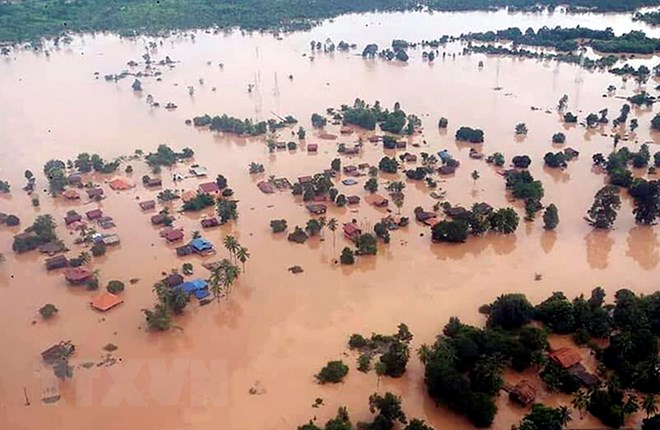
173,235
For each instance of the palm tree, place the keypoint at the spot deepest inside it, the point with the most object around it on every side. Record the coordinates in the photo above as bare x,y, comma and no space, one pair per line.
475,176
332,226
396,186
650,405
580,402
322,223
397,199
231,244
214,283
242,255
631,406
85,257
564,415
229,274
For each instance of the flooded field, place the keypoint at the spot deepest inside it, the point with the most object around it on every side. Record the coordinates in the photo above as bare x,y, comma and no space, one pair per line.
277,329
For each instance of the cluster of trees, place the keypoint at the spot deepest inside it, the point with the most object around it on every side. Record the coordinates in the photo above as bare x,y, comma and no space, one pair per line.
23,21
388,410
85,163
631,325
569,39
321,184
392,351
166,156
543,417
226,209
170,301
476,222
463,368
468,134
199,202
41,231
55,171
4,186
367,116
523,186
569,57
230,124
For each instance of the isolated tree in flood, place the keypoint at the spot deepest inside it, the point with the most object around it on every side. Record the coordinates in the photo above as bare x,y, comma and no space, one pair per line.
646,196
521,129
550,217
603,211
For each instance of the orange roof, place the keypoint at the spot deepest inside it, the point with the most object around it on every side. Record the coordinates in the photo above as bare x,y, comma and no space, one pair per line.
565,357
106,301
120,184
188,196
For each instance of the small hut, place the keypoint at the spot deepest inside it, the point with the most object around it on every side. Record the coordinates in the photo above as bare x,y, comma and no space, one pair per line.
147,205
565,357
523,393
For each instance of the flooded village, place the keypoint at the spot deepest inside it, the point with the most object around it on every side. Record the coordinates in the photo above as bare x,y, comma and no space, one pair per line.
206,271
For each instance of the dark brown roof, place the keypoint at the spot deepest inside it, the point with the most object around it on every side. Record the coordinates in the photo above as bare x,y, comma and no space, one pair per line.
565,357
523,393
210,222
93,192
173,235
174,279
69,219
158,219
78,274
56,262
586,378
147,204
353,200
94,214
317,208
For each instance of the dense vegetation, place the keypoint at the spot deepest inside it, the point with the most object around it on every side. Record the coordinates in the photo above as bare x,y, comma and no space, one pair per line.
32,19
569,39
368,116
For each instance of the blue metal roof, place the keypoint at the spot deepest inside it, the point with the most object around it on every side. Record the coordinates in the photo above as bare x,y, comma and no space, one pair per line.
201,244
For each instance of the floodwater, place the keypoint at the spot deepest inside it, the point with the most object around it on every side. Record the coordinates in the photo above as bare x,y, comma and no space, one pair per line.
277,329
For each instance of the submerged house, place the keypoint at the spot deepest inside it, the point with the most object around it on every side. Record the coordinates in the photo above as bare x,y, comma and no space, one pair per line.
198,287
565,357
147,205
173,279
209,222
198,171
94,214
202,246
208,188
352,231
317,208
265,187
586,378
78,275
106,301
377,200
523,393
184,250
95,193
72,217
174,235
58,262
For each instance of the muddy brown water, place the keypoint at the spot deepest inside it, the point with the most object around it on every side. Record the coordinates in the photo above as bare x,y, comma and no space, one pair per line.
277,329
